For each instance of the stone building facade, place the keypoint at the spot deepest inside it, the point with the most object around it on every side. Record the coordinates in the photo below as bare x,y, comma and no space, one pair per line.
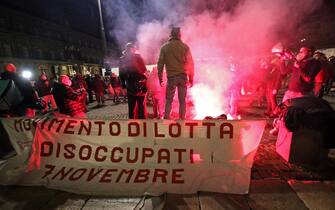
37,45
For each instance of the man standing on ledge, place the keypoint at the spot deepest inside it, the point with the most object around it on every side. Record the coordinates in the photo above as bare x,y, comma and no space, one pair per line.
177,58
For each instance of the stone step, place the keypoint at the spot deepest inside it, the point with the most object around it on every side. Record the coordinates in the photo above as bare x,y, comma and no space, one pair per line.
273,194
315,194
65,200
19,197
181,202
112,203
221,201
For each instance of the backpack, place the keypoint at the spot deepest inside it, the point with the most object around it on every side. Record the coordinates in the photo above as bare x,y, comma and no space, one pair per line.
10,95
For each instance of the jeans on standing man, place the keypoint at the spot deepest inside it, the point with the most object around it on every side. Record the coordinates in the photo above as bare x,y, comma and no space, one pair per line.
176,56
180,82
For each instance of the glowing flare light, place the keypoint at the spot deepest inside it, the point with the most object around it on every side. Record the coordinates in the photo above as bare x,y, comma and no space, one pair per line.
212,89
206,101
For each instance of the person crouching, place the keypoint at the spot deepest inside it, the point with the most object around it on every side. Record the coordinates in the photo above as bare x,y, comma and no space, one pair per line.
69,100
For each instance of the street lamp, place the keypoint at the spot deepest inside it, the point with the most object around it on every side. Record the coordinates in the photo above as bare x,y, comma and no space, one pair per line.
103,34
26,74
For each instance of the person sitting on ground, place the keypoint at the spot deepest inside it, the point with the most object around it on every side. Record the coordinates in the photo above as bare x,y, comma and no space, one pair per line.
69,100
43,88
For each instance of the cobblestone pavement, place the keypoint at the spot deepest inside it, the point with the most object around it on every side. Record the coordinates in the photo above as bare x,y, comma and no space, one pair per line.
275,183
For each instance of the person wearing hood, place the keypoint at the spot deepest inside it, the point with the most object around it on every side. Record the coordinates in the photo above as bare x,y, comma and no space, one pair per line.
43,88
132,75
69,100
177,58
27,105
303,74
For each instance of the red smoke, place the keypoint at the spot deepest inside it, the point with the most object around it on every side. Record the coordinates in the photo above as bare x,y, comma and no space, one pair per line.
219,40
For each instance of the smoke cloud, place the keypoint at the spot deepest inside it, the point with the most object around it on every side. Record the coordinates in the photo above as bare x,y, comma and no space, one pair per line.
219,33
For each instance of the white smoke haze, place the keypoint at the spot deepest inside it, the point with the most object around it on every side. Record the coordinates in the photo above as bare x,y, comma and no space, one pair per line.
149,44
217,32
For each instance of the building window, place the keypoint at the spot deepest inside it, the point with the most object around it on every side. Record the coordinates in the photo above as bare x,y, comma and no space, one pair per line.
20,28
63,70
25,52
59,36
39,54
2,50
52,55
8,50
71,70
36,32
62,56
47,55
3,24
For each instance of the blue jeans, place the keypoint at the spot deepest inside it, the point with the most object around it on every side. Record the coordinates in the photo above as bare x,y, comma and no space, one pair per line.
178,81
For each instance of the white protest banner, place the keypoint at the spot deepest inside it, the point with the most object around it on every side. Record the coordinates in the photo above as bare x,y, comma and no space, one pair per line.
131,158
21,135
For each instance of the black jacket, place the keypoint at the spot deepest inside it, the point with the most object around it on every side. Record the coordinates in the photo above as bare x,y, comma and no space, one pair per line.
29,96
132,74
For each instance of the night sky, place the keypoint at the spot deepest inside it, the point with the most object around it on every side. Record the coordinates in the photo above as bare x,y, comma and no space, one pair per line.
83,15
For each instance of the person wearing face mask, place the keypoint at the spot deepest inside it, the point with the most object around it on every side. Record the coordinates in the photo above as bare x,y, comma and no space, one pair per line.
69,100
302,79
304,71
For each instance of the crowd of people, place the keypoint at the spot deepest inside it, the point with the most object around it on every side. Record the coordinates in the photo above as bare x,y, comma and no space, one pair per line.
69,96
66,96
306,76
309,73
